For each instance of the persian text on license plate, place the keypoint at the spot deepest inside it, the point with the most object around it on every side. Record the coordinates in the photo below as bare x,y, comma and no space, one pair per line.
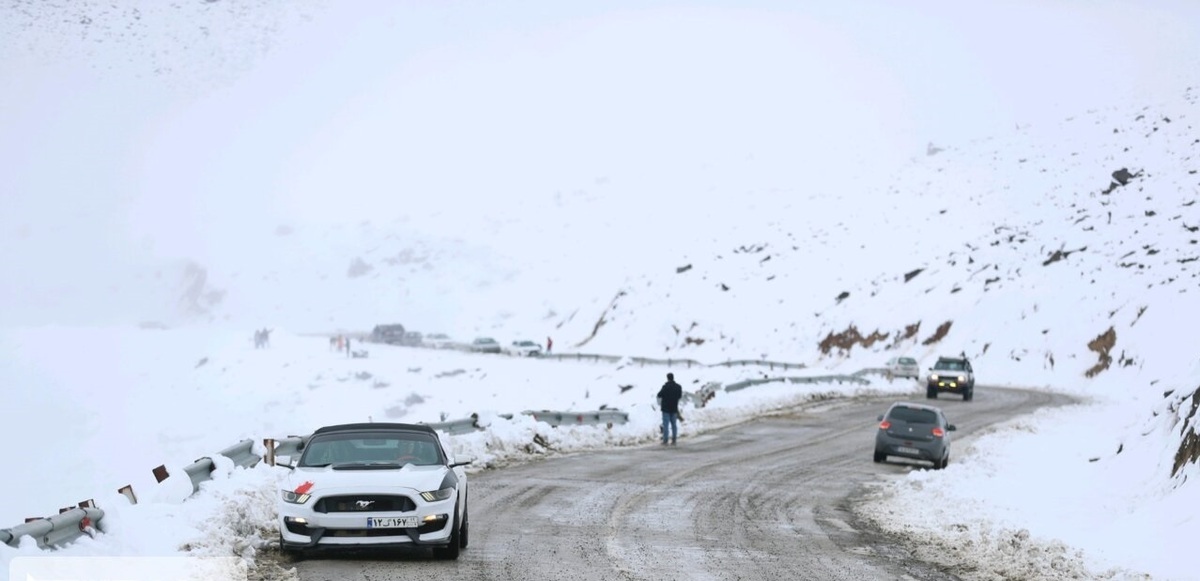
392,522
908,450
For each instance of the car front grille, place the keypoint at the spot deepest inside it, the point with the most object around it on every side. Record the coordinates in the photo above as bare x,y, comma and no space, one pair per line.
303,529
365,503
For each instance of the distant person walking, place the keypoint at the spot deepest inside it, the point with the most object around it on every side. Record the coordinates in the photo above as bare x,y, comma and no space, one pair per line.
347,346
549,344
668,402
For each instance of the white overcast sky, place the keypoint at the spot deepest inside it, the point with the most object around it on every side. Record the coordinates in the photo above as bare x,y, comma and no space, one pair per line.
148,131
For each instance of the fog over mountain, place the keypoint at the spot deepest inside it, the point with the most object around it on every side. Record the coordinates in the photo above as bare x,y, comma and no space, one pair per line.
316,166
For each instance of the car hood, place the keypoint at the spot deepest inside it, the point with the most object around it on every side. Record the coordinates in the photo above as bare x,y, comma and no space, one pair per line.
322,481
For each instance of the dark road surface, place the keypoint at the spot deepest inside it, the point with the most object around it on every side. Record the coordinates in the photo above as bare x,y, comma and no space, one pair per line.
760,500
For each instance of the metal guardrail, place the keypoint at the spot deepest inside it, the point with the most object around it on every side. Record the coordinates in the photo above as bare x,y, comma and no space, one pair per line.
641,361
242,454
870,371
815,379
457,427
761,363
672,362
55,531
570,418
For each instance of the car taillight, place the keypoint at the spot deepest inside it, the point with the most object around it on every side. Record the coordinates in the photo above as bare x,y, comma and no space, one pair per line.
938,432
885,425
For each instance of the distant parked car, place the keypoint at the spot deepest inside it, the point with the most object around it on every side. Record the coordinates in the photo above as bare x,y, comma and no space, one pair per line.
390,334
485,345
903,367
438,341
951,375
524,349
914,431
412,339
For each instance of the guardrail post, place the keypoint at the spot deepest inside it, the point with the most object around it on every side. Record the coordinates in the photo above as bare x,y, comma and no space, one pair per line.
269,443
127,492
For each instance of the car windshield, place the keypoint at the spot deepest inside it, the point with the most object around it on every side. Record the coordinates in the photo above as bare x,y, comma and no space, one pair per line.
913,415
949,364
373,448
907,361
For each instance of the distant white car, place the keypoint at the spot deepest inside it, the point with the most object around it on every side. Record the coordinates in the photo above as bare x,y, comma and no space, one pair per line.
903,367
524,349
438,341
485,345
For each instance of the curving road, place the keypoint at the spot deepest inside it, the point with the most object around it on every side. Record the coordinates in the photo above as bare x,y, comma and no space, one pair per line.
760,500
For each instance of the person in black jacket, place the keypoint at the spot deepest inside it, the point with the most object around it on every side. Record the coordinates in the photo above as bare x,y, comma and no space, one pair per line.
668,402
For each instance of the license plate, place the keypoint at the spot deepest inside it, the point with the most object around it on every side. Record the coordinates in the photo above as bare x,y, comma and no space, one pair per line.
913,451
392,522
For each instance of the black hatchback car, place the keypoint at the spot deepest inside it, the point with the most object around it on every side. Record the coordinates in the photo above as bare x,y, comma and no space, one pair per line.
914,431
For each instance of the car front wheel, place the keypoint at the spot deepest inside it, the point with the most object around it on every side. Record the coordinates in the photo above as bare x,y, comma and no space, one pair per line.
451,551
292,555
464,530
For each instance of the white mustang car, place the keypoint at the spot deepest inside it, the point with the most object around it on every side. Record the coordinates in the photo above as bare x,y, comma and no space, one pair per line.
375,485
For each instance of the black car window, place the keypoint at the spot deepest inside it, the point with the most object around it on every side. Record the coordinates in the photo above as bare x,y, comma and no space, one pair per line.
913,415
348,448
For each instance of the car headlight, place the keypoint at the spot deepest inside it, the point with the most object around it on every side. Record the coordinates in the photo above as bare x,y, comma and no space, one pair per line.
295,498
436,495
961,379
933,377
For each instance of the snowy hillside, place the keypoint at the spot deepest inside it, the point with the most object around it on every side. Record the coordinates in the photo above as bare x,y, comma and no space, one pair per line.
830,186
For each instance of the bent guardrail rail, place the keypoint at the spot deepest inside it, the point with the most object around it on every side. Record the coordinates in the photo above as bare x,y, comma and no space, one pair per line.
55,531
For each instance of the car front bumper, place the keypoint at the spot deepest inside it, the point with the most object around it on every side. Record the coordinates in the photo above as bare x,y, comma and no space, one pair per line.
302,528
950,385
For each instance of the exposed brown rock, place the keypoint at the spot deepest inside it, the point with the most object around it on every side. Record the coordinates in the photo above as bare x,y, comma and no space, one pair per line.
847,339
1102,344
1189,448
939,334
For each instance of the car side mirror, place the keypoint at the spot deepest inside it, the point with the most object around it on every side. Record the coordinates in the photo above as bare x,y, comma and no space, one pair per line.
880,418
951,428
